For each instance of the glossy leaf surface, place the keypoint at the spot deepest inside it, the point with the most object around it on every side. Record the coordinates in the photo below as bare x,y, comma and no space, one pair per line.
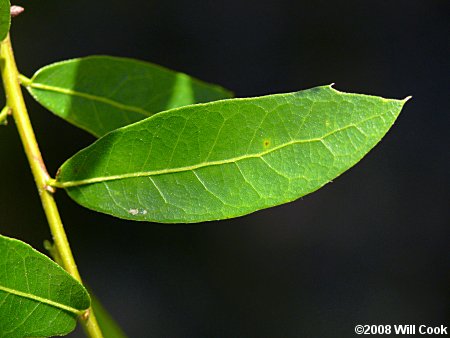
103,93
37,297
5,18
227,158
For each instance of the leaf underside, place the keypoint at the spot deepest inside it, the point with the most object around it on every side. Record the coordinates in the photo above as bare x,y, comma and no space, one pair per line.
102,93
37,297
5,18
228,158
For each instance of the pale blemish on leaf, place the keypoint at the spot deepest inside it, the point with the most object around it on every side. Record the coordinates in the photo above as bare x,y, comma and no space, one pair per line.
133,212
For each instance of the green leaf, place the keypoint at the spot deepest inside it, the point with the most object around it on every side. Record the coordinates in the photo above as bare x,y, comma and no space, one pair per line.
5,18
103,93
37,297
227,158
108,326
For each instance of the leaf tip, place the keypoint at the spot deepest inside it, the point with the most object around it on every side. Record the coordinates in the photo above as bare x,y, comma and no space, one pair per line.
406,99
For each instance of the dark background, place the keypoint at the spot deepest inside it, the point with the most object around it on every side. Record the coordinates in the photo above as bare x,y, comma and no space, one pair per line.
370,248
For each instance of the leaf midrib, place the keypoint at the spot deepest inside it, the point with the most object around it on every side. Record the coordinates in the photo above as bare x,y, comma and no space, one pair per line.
41,300
92,97
70,184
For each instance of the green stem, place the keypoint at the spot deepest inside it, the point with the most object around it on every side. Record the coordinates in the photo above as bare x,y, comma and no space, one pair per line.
15,101
24,80
4,115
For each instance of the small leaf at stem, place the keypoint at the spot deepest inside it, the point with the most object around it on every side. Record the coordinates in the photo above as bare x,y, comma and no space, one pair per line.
5,18
228,158
37,297
103,93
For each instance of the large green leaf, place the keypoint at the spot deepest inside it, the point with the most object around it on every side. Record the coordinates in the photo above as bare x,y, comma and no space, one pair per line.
103,93
227,158
37,297
5,18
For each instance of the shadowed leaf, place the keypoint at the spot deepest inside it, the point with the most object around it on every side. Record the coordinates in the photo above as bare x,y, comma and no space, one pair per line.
108,326
103,93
